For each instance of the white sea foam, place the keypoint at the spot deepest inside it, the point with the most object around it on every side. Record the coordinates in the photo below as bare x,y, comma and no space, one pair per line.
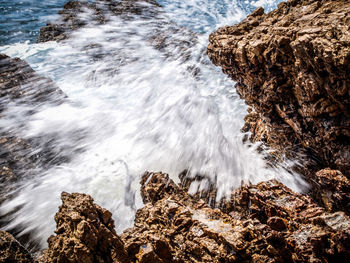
131,111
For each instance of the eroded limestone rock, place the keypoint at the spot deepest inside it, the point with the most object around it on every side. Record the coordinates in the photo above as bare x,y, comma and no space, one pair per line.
261,223
332,189
85,233
12,251
292,66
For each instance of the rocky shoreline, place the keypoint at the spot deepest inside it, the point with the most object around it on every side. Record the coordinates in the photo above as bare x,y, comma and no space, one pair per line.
259,223
292,67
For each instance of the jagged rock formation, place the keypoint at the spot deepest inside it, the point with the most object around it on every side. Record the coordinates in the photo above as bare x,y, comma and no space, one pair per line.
332,190
12,251
292,66
85,233
261,223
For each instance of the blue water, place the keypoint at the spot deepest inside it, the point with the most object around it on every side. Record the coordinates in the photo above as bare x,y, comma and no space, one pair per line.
21,20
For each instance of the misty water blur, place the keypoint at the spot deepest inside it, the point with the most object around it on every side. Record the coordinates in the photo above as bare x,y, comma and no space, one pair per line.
133,107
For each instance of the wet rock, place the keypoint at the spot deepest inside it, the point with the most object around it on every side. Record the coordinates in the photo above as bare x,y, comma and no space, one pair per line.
12,251
162,34
21,158
262,223
85,233
77,14
292,66
20,84
332,189
259,223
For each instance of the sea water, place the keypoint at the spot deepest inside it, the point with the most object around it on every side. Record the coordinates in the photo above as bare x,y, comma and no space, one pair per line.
133,110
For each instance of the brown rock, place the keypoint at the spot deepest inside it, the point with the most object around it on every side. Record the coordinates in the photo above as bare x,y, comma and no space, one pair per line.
332,189
11,251
277,223
85,233
292,66
259,223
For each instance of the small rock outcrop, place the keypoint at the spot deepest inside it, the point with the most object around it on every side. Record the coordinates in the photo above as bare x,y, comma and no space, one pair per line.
332,189
292,67
261,223
85,233
11,251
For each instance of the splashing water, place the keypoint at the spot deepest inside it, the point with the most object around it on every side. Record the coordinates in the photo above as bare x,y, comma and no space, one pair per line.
133,109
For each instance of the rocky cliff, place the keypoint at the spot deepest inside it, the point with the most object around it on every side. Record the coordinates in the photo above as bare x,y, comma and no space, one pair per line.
292,67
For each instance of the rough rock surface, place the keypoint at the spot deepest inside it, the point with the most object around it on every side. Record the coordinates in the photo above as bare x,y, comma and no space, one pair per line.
332,189
292,66
12,251
261,223
85,233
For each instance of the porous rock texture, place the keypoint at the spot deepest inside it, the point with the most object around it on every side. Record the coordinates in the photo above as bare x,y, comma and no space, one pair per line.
292,67
85,233
262,223
11,251
332,190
